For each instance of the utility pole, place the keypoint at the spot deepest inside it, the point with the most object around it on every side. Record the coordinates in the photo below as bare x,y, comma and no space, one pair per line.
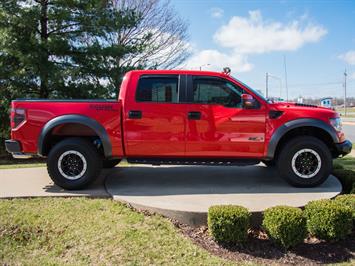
268,76
267,85
286,78
345,75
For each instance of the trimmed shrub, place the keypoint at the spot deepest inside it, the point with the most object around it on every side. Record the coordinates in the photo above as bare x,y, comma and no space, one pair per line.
328,219
353,189
228,223
348,200
337,166
346,178
285,225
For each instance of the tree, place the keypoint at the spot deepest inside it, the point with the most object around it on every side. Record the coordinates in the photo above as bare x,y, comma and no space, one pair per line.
166,43
73,48
157,40
81,49
44,44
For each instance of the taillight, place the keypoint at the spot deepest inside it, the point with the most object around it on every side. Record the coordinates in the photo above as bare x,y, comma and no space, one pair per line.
18,116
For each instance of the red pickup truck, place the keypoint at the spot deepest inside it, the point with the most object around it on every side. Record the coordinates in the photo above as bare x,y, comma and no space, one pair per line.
177,117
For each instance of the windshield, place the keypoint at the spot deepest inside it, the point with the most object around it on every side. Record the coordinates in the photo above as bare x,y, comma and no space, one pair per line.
254,91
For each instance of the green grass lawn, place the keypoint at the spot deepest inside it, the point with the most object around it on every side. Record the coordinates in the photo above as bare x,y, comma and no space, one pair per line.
21,165
79,231
10,163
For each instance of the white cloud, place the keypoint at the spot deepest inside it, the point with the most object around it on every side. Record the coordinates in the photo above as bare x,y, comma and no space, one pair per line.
352,76
253,34
348,57
215,60
216,12
243,36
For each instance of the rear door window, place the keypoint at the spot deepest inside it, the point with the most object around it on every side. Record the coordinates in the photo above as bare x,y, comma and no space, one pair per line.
158,89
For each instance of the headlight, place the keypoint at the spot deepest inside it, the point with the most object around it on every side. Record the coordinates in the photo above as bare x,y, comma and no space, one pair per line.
336,123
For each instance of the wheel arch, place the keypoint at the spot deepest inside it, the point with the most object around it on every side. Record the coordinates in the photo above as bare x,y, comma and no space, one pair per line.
304,126
88,122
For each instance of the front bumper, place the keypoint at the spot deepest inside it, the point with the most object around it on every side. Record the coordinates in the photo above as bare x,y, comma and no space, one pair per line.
344,148
14,147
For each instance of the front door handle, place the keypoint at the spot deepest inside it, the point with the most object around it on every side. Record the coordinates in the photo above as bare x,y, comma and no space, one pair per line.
135,114
194,115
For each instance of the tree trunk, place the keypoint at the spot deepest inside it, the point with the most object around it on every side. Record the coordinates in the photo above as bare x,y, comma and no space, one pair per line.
43,68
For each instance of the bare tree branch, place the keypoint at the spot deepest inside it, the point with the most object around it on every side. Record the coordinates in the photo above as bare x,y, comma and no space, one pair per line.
161,31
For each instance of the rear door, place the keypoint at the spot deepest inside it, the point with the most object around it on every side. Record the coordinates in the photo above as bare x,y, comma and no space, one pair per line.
154,118
217,125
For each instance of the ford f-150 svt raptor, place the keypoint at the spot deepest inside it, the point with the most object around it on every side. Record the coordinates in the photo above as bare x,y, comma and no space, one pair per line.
177,117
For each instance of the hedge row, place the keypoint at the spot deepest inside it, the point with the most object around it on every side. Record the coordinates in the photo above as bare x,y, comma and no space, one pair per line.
286,226
229,223
328,219
346,178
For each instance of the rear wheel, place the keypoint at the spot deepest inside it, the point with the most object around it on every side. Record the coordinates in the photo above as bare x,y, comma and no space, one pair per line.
74,163
305,162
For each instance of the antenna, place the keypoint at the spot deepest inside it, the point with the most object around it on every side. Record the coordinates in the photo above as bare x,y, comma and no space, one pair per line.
227,70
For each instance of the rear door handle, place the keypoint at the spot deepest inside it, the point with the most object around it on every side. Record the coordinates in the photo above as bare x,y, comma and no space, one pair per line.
135,114
194,115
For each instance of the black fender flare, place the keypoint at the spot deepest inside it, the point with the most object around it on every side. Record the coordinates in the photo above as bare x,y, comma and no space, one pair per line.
302,122
78,119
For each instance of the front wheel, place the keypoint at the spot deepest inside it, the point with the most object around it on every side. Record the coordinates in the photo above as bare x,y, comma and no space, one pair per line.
305,162
73,163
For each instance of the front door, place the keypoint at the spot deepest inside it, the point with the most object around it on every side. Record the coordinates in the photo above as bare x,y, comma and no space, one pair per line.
154,120
217,125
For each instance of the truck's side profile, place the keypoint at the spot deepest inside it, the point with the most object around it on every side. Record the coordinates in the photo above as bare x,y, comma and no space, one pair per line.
177,117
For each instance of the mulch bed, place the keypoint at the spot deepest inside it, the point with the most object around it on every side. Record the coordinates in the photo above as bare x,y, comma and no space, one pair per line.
259,249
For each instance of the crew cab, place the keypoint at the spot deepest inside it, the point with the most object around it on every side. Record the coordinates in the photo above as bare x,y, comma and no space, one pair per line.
177,117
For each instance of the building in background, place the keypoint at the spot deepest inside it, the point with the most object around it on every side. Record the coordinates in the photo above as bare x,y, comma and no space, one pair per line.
300,99
326,102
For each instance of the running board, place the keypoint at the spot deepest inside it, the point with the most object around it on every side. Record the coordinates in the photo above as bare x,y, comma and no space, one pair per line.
191,161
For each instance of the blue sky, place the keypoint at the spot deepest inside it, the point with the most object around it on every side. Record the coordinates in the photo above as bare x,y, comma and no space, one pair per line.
252,37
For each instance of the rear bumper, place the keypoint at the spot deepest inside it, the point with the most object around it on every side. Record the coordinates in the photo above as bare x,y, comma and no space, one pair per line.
14,147
344,148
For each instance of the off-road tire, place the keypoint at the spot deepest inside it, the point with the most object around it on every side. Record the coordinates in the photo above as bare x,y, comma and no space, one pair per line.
83,148
304,144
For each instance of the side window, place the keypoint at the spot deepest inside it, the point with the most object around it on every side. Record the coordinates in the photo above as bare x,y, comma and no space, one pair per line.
158,89
216,91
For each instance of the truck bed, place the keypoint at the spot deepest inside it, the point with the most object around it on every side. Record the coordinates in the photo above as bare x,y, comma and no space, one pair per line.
39,112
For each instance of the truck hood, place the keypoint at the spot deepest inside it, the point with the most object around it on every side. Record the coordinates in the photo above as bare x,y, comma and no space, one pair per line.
306,109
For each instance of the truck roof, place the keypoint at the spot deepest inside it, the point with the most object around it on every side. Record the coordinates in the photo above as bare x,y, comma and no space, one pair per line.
186,72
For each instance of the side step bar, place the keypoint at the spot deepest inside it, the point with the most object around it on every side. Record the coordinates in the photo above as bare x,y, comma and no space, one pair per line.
193,161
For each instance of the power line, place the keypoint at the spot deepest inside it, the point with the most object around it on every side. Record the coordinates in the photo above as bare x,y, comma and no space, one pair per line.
316,84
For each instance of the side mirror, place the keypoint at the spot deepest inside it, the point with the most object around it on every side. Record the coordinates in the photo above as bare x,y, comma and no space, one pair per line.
248,101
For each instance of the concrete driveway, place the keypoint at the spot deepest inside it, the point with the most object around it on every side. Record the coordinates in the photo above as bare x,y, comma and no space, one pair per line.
183,193
35,182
